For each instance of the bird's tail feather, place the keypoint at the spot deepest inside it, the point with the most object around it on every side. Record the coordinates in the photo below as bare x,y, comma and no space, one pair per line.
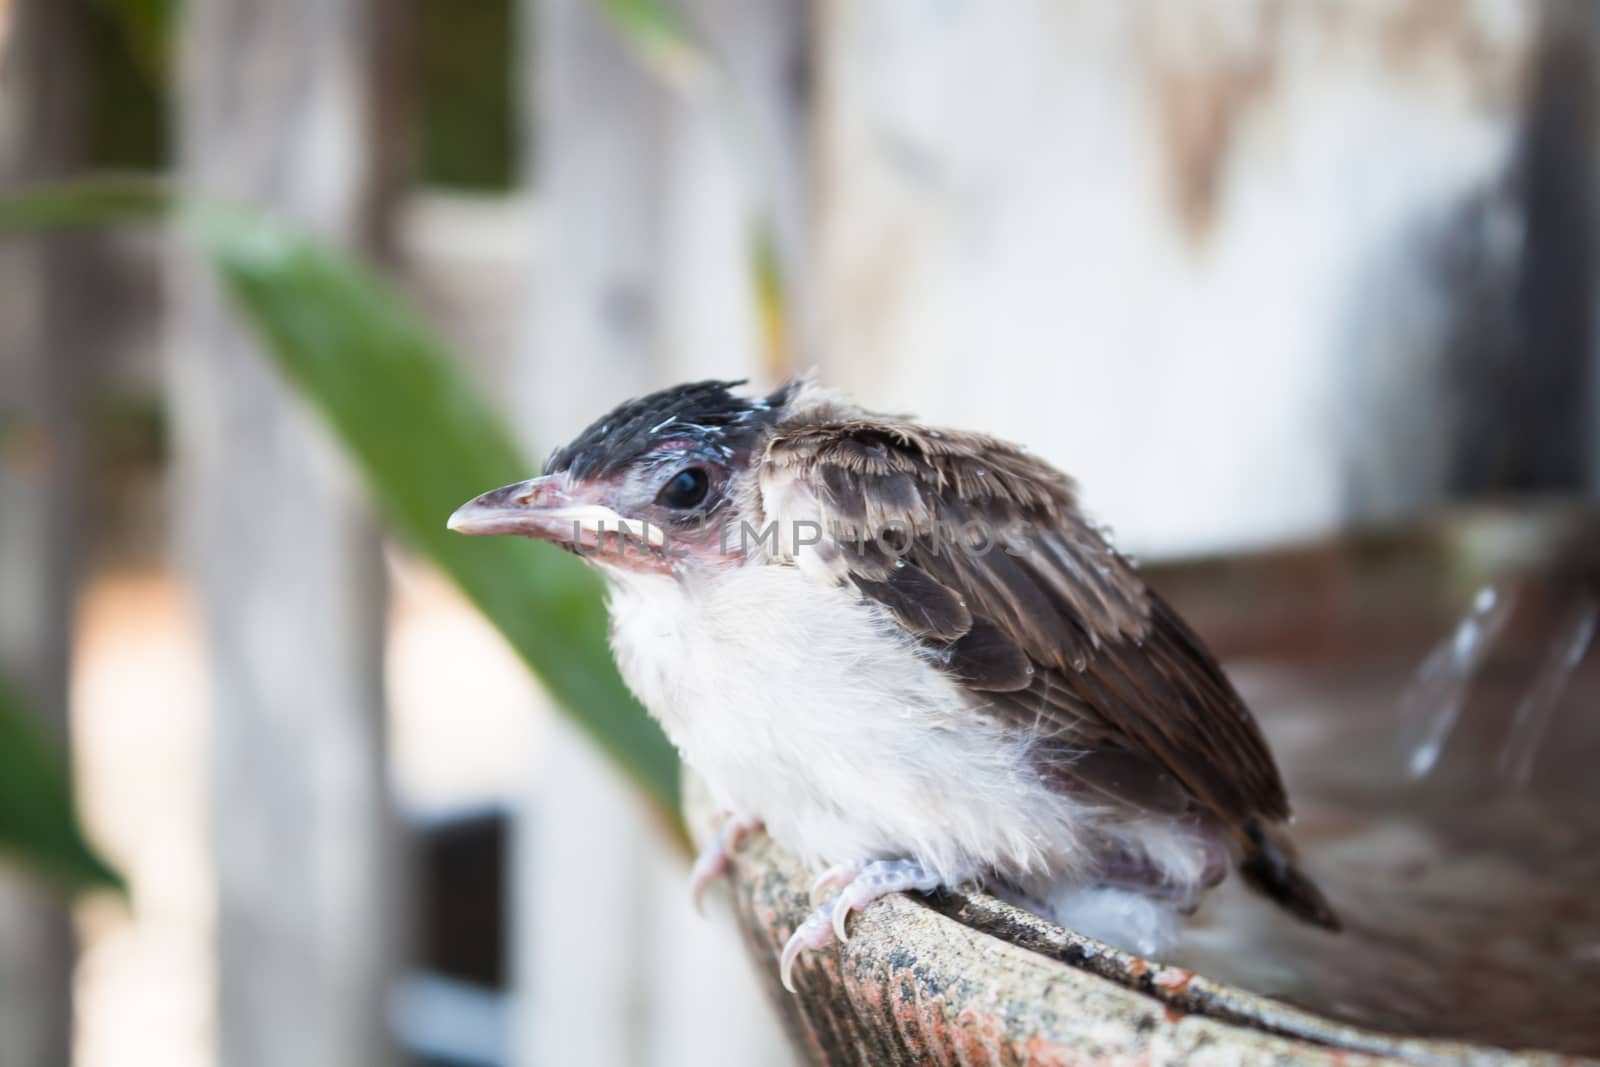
1267,864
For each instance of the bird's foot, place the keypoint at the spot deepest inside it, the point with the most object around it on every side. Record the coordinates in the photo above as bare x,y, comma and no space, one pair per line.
836,877
862,885
716,859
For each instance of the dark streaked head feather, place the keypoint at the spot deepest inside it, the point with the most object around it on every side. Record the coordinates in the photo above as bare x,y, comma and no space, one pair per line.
708,413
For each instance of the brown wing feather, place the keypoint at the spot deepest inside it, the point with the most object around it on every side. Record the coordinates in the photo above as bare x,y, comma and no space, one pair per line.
1054,627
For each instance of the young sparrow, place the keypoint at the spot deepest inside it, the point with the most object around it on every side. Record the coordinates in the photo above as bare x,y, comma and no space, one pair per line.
908,654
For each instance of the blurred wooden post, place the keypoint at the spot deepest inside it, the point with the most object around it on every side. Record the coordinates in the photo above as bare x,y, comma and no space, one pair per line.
646,278
284,557
581,847
42,383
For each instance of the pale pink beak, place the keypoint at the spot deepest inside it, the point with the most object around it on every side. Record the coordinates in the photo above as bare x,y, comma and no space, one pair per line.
549,509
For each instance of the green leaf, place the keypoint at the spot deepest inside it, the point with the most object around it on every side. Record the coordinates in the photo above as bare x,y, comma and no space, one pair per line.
38,816
661,40
99,200
772,301
428,442
424,438
147,27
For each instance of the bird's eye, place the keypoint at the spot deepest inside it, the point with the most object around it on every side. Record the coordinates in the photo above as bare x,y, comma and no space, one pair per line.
687,489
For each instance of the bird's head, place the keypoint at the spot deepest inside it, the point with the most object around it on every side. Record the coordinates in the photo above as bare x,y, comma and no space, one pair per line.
652,486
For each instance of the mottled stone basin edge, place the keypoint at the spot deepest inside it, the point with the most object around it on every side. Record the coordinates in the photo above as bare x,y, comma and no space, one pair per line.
968,979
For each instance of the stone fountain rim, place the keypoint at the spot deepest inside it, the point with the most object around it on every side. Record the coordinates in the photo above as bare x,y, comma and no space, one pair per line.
1061,962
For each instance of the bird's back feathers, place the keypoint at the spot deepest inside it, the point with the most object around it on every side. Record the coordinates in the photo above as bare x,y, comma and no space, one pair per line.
1053,625
1048,626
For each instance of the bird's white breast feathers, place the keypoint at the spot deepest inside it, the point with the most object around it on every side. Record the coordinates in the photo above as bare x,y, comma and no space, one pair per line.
802,705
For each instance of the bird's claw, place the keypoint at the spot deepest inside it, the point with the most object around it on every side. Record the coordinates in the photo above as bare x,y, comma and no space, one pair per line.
814,933
862,886
836,877
714,862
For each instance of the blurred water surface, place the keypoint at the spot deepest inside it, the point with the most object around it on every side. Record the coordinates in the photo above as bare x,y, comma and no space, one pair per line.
1434,698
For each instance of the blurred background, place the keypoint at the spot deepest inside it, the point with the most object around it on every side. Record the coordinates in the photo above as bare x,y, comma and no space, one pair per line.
1252,270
